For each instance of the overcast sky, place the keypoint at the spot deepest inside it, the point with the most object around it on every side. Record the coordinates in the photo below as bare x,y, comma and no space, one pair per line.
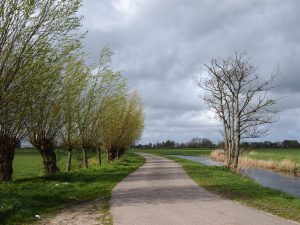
161,45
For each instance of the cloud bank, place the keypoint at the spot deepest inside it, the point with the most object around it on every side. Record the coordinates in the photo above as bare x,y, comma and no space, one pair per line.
161,45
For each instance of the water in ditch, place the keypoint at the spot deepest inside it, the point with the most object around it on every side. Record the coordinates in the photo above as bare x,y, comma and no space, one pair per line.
266,178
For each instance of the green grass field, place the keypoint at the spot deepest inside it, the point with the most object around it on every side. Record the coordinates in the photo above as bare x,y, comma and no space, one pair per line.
28,162
31,194
275,154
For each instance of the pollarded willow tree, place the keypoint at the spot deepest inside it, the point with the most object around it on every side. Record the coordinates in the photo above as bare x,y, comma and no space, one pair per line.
103,88
48,103
28,30
239,97
131,124
120,125
75,78
47,93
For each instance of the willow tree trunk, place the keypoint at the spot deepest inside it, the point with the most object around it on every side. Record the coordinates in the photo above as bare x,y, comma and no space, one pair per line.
111,155
84,158
7,153
120,152
49,160
69,162
99,155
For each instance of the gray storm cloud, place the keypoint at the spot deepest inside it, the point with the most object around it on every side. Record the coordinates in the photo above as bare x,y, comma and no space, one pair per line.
161,46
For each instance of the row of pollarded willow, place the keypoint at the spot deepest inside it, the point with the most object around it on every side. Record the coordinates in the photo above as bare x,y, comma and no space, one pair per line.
240,99
34,36
47,93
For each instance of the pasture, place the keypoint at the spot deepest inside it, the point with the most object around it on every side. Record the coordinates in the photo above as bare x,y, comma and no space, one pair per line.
274,154
28,162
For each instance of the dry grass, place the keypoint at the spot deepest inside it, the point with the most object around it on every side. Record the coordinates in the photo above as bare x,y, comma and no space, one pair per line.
218,155
285,165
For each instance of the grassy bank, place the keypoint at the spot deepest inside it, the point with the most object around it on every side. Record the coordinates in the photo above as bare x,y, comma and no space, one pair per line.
223,182
24,198
232,186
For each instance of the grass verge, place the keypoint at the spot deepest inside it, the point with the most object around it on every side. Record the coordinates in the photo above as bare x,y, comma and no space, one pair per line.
22,199
223,182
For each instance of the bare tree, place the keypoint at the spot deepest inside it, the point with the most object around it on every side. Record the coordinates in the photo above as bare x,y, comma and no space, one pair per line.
239,97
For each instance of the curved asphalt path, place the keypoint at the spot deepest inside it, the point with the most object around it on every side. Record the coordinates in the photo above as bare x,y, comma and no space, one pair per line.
161,193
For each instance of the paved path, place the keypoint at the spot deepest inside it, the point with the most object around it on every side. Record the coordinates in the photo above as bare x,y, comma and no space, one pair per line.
161,193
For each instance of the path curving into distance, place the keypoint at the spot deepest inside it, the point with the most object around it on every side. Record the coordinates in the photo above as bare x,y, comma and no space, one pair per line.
161,193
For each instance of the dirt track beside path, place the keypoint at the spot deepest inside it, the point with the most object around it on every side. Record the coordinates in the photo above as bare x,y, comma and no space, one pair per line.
84,214
161,193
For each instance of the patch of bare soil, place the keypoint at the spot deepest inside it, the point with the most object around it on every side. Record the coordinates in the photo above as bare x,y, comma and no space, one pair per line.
84,214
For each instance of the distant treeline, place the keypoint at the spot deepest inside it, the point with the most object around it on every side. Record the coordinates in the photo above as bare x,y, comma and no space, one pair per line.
206,143
269,144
